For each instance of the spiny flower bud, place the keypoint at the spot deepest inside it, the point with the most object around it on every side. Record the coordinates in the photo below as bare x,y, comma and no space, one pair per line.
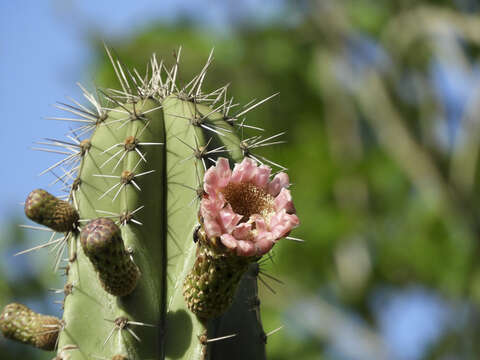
210,286
18,322
102,243
45,209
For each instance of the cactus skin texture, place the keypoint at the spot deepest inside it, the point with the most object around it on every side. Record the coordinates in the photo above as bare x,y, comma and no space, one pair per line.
137,179
19,323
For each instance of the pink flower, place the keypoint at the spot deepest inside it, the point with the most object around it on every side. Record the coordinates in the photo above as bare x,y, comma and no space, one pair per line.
247,210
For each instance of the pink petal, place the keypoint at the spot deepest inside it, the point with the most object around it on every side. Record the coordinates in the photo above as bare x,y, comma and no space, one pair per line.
264,244
210,181
224,172
242,231
228,219
212,227
245,248
262,176
282,223
229,241
280,181
245,171
210,206
217,177
260,224
284,201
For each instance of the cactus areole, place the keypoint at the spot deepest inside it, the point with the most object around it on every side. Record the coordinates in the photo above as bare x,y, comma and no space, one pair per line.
148,170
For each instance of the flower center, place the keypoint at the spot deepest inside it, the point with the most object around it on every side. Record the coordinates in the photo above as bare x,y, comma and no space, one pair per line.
247,199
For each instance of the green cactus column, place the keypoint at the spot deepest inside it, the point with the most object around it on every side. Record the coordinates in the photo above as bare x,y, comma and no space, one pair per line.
121,178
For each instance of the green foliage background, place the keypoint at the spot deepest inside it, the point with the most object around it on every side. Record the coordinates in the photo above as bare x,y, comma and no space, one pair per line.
385,202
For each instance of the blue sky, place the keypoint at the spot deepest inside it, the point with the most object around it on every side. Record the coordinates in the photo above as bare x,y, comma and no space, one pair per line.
44,51
38,58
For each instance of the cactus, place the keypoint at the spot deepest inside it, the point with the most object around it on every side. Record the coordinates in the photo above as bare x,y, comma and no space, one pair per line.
44,208
163,238
102,243
20,323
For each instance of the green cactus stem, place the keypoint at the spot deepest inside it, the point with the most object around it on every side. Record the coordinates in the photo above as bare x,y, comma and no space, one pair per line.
19,323
45,209
102,243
